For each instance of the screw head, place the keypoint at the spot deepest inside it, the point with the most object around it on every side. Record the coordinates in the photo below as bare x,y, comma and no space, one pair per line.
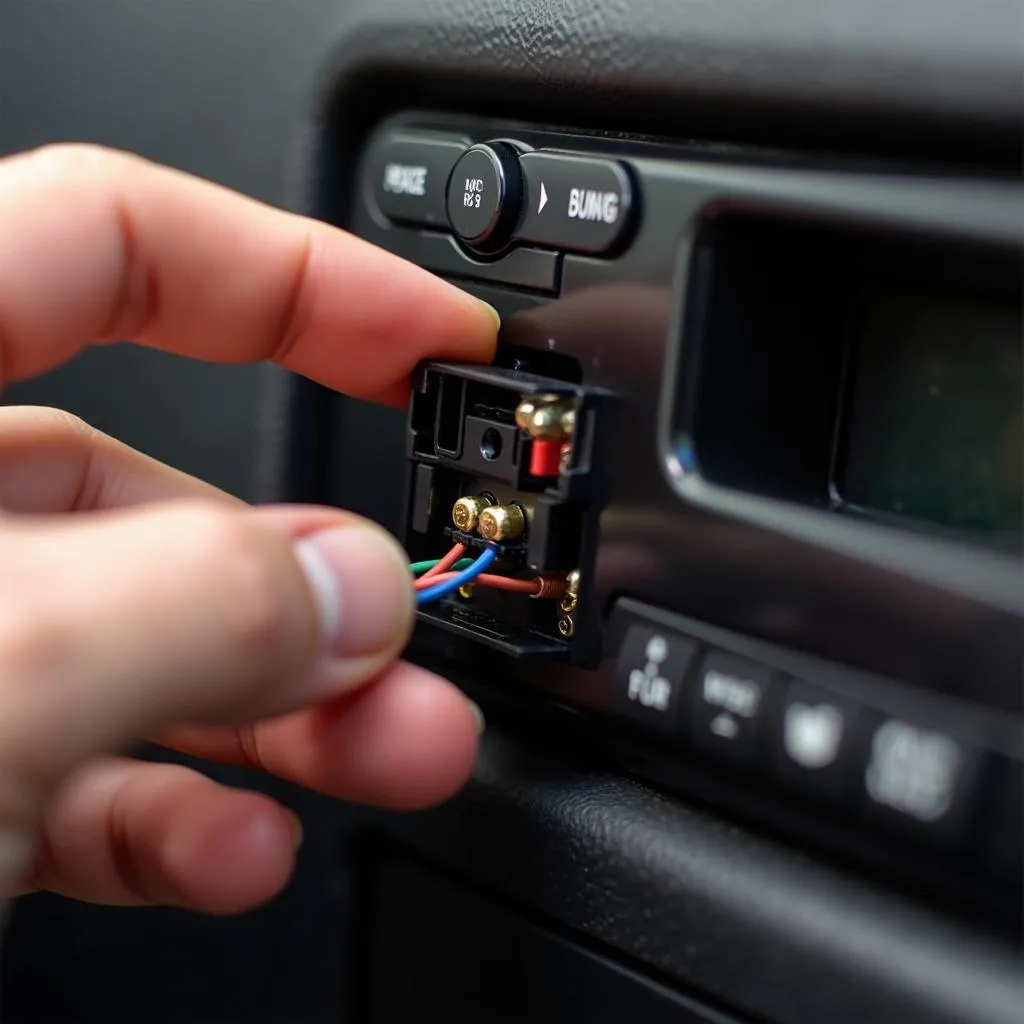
466,512
546,424
502,522
566,626
524,413
571,598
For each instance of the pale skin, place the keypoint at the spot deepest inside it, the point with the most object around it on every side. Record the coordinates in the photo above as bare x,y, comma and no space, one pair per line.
137,602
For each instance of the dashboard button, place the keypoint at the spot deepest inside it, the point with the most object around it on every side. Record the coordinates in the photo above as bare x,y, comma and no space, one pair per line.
410,175
918,781
651,674
729,704
578,204
484,195
814,746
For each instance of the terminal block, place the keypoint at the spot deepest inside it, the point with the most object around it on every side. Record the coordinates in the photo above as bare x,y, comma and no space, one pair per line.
512,461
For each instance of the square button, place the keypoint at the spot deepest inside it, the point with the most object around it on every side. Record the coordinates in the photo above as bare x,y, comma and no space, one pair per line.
650,676
814,741
917,781
728,705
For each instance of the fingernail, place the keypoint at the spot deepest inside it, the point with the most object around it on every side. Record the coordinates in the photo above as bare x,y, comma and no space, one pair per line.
298,833
360,581
494,313
478,716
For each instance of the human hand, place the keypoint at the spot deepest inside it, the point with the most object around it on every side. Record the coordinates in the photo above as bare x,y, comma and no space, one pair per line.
165,609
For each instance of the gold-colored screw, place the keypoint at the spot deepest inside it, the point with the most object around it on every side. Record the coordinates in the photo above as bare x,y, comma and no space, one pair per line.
552,422
524,413
466,591
566,626
466,512
571,598
546,417
502,522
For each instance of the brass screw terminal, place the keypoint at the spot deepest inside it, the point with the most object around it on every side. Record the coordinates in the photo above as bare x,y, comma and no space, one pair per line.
552,422
571,598
466,511
546,417
502,522
566,627
525,410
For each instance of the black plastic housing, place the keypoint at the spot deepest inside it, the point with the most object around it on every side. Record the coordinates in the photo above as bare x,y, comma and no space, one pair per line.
462,439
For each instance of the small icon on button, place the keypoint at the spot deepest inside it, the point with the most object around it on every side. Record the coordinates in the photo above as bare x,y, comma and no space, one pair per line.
812,734
646,686
913,771
651,671
728,703
725,726
543,198
738,697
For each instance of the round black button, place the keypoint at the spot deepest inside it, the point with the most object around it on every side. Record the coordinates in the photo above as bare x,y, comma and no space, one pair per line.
484,194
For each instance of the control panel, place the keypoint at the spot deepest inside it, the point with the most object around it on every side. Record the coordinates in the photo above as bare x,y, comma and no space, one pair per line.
499,194
925,774
745,473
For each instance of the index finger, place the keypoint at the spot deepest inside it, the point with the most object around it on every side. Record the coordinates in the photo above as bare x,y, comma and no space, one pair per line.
103,246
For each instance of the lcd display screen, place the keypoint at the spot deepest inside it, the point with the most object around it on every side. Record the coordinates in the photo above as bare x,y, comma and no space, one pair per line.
933,424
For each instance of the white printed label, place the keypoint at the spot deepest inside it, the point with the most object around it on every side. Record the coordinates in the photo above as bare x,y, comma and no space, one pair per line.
647,687
472,195
405,180
732,693
589,205
735,696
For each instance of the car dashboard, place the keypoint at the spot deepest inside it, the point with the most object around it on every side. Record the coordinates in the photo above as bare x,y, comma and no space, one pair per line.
750,449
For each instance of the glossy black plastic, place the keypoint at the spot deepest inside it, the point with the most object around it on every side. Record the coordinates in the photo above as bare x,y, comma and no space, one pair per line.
484,195
940,614
931,616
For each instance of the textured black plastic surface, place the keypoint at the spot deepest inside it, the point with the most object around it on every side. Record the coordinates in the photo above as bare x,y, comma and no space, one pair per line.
754,926
928,67
467,959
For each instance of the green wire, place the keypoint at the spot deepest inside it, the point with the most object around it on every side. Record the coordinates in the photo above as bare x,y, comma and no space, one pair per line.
417,567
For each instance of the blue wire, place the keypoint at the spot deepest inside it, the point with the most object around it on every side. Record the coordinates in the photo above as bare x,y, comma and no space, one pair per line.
466,576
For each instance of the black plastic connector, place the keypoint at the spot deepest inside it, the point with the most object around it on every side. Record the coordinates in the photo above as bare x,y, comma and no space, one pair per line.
463,440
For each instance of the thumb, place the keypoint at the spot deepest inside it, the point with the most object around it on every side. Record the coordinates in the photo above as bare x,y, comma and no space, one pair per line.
113,625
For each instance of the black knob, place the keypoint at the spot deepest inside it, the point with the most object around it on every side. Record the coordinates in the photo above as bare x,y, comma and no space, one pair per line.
485,193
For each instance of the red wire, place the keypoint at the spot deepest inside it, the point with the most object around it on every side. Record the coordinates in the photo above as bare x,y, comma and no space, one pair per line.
485,580
443,566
